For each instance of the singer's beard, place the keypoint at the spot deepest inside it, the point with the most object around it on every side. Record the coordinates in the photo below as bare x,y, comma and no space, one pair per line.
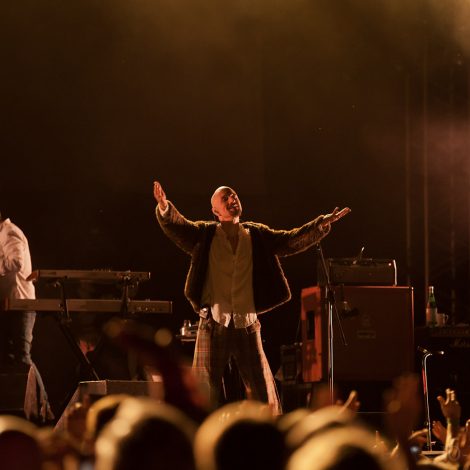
235,211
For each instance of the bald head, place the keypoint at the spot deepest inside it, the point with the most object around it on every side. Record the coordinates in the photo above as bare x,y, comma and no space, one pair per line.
226,205
219,190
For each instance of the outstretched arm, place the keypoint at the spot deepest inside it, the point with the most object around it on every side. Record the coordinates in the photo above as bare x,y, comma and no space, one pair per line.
180,230
289,242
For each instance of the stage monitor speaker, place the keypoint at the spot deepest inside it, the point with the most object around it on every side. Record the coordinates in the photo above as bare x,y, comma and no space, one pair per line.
19,394
97,389
378,326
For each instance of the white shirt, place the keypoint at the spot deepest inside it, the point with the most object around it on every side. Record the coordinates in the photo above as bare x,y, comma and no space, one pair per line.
15,263
228,287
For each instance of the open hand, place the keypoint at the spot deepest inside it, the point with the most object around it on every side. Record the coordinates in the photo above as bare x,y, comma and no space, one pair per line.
450,407
439,431
159,195
337,214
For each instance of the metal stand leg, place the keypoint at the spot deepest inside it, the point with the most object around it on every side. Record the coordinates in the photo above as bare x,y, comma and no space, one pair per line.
331,381
424,373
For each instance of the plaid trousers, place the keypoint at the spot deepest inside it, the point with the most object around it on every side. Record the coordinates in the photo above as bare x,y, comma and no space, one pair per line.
216,344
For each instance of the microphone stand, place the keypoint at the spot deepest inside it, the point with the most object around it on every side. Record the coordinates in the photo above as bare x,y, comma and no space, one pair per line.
331,307
424,373
64,321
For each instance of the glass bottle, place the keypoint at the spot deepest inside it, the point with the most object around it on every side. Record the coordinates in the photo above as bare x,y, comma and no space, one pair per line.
431,308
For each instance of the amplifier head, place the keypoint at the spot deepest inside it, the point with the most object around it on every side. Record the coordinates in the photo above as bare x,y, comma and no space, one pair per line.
359,272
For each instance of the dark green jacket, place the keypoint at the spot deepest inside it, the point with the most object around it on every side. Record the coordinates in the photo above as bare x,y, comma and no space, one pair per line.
270,287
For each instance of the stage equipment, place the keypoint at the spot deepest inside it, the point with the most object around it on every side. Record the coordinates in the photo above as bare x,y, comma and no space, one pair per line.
424,373
94,390
124,307
331,308
133,307
62,306
291,364
20,394
359,272
188,332
97,275
14,392
378,326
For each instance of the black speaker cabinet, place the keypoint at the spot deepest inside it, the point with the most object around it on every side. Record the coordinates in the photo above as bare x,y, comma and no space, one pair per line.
378,327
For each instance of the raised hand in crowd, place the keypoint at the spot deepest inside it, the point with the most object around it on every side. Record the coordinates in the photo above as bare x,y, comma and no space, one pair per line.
439,431
451,410
352,403
457,440
322,398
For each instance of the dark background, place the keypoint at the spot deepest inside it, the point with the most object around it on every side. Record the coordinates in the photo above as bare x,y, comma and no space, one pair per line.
301,106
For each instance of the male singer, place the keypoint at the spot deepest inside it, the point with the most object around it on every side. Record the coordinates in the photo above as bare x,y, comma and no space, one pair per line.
234,276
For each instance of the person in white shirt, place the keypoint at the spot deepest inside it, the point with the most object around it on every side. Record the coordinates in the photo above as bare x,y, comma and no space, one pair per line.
16,330
234,276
